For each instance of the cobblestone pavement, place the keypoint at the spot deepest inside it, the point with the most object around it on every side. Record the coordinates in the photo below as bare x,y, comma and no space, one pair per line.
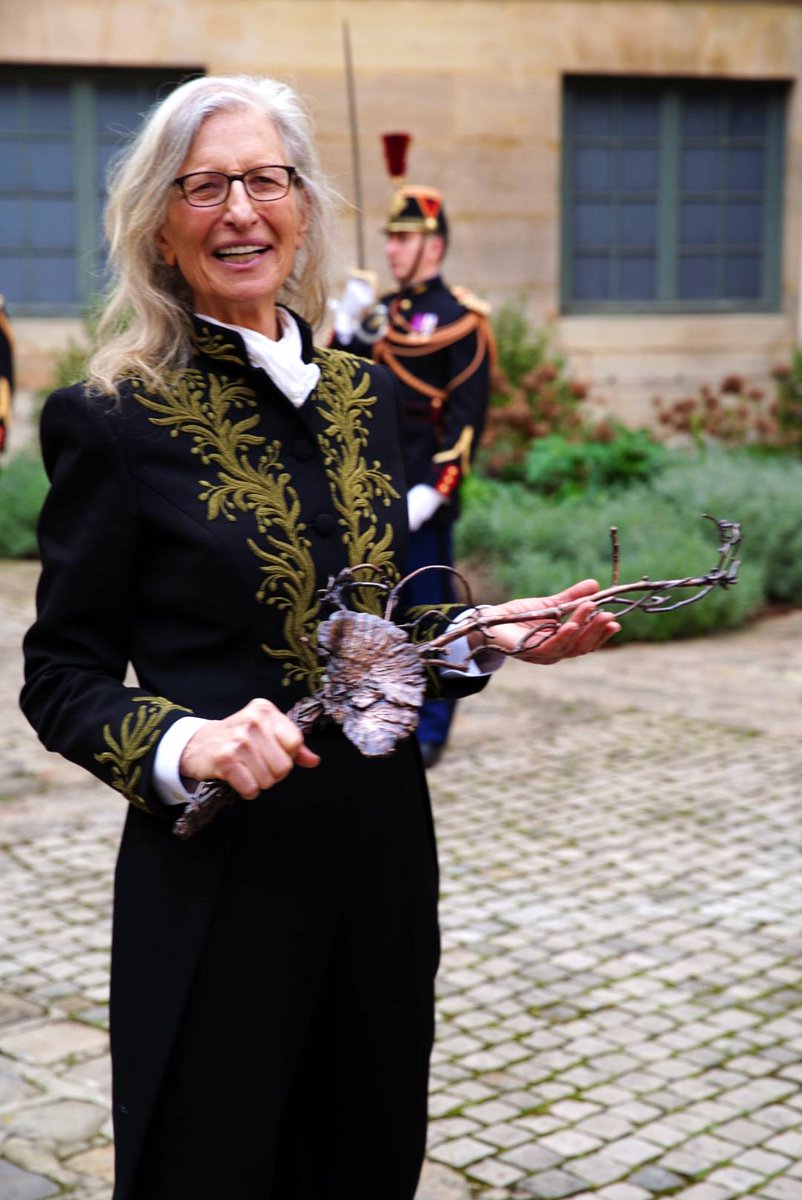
620,1003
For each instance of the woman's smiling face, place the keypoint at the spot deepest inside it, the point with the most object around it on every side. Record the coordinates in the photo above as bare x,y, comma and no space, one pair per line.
234,256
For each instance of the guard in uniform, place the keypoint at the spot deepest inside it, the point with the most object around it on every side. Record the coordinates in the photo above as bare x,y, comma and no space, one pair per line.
6,373
438,343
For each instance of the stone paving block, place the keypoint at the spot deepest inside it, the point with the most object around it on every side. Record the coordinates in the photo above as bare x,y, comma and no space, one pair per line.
762,1161
656,1179
539,1125
605,1126
440,1183
623,1191
568,1143
13,1088
788,1143
700,1154
622,1104
706,1191
598,1169
470,1090
22,1185
460,1152
640,1082
490,1112
757,1094
52,1042
737,1179
633,1150
532,1157
455,1127
781,1189
57,1121
496,1173
689,1120
97,1163
453,1047
440,1104
779,1116
551,1185
744,1131
38,1157
711,1112
555,1089
14,1009
753,1064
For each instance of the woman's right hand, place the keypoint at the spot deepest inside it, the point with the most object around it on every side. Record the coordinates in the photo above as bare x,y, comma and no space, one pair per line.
250,750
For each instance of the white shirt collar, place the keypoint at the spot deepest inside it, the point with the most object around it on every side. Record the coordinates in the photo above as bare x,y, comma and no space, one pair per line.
281,359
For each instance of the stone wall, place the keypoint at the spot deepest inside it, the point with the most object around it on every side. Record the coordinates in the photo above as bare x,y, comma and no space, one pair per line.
478,84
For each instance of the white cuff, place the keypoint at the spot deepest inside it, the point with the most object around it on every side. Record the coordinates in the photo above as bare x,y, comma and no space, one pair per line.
487,660
167,780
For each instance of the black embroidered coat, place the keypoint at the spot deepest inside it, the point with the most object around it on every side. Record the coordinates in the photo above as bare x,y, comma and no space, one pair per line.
187,532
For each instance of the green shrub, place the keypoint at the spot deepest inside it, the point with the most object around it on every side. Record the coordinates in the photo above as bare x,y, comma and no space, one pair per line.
518,349
534,546
764,494
561,468
531,395
23,485
789,400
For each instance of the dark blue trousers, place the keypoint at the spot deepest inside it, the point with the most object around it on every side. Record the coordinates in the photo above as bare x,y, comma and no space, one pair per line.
432,544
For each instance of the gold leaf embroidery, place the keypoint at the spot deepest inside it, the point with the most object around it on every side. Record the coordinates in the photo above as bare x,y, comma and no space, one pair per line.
139,733
358,487
219,415
215,346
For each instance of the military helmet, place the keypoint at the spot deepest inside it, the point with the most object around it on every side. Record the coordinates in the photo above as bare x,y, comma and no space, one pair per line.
414,208
417,209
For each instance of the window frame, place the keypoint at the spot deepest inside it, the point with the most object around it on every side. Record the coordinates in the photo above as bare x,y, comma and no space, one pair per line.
87,254
669,92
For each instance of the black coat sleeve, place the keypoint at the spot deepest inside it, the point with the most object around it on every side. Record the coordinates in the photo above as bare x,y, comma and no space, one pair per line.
77,651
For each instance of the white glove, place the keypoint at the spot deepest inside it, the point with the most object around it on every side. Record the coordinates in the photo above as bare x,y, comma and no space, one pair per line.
422,503
359,295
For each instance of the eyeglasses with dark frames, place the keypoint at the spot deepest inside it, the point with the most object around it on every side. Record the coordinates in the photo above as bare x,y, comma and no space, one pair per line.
204,189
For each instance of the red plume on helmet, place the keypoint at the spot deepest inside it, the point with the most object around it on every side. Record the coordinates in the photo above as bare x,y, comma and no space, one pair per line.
413,207
395,154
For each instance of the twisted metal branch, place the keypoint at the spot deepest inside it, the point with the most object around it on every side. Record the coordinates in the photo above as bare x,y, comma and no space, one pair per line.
644,595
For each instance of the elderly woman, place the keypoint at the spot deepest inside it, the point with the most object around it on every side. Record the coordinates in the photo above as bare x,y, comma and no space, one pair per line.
273,976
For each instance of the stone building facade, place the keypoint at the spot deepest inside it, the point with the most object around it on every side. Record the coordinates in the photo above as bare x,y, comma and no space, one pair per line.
630,169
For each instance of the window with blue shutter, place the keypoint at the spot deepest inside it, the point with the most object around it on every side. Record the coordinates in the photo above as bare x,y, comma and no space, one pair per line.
58,131
672,195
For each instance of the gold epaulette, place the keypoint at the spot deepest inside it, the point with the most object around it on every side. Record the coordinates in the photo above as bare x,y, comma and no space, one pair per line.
469,299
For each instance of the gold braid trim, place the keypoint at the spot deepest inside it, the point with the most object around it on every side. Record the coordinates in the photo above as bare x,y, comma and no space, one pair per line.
414,345
357,486
139,733
461,450
485,345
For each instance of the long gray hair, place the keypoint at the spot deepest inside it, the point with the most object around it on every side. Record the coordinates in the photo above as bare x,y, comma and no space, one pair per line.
145,327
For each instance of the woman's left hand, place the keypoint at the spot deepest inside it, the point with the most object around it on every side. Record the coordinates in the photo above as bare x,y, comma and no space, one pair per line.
584,630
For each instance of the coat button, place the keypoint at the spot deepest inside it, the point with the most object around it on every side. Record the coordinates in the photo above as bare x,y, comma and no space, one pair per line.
302,449
325,524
